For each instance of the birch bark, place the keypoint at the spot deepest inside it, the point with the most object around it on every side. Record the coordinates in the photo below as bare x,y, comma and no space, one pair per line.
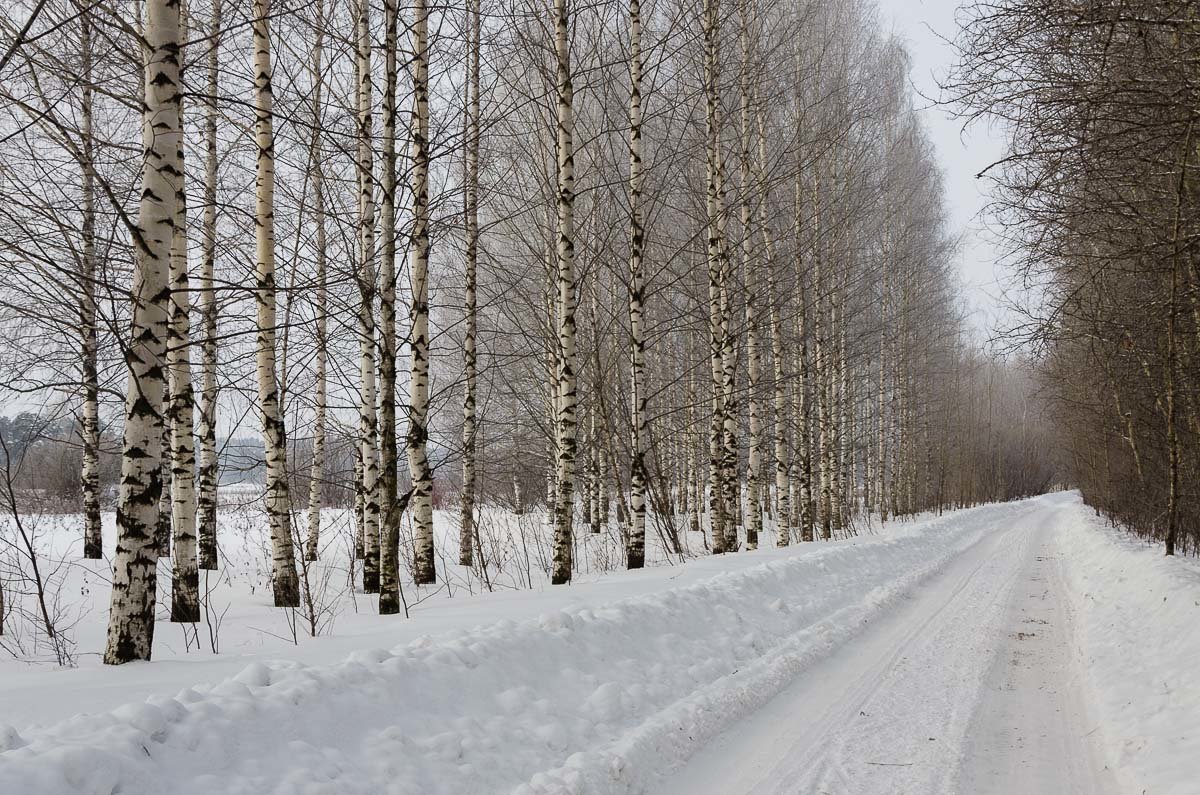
466,540
565,316
782,510
206,500
284,579
416,444
750,279
714,209
131,611
185,582
368,423
389,518
89,426
636,550
316,480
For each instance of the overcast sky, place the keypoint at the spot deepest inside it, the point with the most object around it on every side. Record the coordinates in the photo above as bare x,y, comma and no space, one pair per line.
923,24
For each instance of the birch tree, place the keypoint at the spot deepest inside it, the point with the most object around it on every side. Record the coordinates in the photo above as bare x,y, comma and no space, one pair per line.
185,583
368,423
131,610
89,425
565,394
749,270
284,579
416,443
389,555
208,474
467,539
316,165
714,206
636,552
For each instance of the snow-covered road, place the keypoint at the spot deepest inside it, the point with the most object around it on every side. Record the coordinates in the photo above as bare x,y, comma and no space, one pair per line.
972,686
940,656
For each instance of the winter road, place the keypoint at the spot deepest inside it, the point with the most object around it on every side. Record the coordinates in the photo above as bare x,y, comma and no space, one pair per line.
972,686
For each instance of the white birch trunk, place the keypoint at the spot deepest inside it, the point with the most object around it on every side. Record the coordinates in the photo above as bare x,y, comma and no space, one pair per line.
566,382
881,504
821,360
131,610
368,423
466,539
695,489
635,553
805,509
185,575
802,481
714,209
731,493
284,579
847,479
836,408
162,532
360,520
89,425
424,571
316,480
552,356
206,500
779,381
390,512
750,279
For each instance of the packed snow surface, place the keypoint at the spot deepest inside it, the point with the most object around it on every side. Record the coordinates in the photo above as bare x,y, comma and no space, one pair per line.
857,666
967,687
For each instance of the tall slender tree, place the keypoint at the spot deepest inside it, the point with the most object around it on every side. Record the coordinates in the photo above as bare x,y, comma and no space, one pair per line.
750,280
316,483
368,422
131,611
565,301
389,554
285,582
714,207
636,552
185,584
467,540
206,500
89,424
416,443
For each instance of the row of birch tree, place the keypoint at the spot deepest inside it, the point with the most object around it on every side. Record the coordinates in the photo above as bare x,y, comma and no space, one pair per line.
679,273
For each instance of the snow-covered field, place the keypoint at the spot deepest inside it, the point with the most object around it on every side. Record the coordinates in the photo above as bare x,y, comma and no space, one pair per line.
857,666
239,625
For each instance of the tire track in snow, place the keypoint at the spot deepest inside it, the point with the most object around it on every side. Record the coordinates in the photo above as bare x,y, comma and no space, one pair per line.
890,711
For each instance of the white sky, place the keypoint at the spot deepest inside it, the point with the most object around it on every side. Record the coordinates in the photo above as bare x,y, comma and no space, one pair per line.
923,25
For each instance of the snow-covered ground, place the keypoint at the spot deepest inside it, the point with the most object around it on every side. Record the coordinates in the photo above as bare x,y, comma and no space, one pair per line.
1138,632
239,620
957,653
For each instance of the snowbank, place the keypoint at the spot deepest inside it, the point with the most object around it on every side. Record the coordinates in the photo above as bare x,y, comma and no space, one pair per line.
1138,624
602,698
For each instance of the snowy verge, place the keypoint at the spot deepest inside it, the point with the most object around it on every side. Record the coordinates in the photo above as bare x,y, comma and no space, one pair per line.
590,699
1137,616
